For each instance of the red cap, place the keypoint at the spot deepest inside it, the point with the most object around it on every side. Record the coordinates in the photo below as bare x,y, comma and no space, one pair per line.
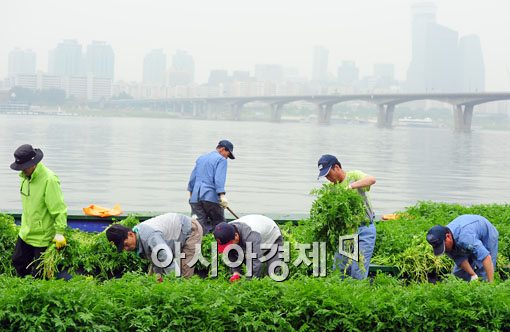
221,247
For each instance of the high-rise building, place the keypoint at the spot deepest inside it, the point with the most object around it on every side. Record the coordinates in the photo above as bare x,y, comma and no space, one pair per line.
98,88
27,81
348,73
66,59
435,53
49,82
21,62
320,64
472,68
154,68
182,71
76,87
424,13
442,59
100,60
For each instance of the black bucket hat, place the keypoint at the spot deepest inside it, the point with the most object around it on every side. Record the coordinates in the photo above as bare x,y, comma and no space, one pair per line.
25,157
228,146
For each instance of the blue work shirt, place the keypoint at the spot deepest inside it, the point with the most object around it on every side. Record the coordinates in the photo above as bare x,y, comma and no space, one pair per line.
208,178
475,238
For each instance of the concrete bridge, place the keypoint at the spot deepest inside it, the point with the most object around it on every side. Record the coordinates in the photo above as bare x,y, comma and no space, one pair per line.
463,104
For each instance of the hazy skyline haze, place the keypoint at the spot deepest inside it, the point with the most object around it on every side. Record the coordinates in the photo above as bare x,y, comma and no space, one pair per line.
236,35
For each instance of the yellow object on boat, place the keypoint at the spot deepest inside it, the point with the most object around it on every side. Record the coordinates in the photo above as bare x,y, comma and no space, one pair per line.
99,211
391,216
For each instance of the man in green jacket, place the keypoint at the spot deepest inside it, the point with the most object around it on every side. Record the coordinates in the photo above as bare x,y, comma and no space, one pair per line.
44,215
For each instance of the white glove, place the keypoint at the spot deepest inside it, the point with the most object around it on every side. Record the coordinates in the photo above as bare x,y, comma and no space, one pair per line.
223,201
474,277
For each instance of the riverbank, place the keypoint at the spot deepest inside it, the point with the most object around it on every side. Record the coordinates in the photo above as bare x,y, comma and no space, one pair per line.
435,118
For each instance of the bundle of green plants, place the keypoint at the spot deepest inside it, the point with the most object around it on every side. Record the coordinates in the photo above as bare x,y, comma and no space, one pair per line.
138,303
335,212
90,254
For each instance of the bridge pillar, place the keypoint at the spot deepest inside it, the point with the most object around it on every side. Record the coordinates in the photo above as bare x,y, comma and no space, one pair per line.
276,112
462,118
457,117
468,117
324,117
390,109
385,115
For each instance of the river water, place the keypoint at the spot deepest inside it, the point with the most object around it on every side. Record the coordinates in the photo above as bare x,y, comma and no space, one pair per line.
144,163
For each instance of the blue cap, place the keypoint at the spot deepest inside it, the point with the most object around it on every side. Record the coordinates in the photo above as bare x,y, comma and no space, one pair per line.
228,146
436,237
325,163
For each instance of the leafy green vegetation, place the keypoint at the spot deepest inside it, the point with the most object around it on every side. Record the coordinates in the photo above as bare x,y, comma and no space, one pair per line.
137,303
400,243
8,236
86,253
336,212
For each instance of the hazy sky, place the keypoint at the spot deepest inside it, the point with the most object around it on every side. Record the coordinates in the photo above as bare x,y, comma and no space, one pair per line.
236,34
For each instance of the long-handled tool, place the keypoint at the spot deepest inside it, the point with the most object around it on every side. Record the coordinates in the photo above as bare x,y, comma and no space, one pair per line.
229,210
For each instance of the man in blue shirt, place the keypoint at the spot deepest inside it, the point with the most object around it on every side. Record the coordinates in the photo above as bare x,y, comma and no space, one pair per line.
472,242
206,186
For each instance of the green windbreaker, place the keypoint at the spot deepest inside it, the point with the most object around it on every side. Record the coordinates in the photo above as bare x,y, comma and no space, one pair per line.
44,209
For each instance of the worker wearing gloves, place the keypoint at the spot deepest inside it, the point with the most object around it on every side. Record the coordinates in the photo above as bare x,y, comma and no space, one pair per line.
44,216
206,186
156,239
263,234
330,167
472,242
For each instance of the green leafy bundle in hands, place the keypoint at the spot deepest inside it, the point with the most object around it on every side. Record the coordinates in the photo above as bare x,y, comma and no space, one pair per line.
336,212
89,253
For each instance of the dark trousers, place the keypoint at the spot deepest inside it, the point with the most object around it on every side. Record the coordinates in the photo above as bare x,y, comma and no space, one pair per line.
209,214
24,254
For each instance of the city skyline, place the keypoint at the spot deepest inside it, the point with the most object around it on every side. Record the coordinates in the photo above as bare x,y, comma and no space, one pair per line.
295,49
